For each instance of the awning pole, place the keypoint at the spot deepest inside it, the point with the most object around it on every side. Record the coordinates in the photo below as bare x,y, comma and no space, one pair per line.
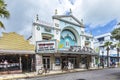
20,63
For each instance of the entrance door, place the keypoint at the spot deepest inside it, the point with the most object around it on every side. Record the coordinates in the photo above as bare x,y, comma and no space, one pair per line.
73,62
64,62
46,62
26,63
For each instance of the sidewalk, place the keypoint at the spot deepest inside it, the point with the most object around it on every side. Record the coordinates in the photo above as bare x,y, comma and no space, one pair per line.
33,74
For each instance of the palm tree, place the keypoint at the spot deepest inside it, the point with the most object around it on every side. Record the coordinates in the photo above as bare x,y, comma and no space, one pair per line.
107,45
116,34
118,50
4,13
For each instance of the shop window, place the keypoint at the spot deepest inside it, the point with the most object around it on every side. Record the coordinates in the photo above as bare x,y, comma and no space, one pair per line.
83,60
57,61
9,62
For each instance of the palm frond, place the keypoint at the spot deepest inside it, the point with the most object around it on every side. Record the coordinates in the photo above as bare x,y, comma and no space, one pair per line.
2,25
4,13
116,33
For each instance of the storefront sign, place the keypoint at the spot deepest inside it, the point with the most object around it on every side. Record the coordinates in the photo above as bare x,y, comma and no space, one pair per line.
113,55
46,46
79,49
75,48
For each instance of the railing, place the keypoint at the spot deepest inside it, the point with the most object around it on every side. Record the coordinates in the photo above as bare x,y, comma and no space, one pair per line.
81,49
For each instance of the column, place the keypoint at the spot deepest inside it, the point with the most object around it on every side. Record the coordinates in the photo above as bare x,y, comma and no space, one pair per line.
20,63
39,63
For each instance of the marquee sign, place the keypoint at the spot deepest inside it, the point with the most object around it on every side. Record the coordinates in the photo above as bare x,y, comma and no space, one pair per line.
46,46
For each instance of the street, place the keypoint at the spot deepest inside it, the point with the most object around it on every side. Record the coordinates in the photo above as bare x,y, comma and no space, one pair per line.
104,74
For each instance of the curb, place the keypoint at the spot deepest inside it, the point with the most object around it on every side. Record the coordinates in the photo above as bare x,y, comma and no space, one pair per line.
43,75
27,75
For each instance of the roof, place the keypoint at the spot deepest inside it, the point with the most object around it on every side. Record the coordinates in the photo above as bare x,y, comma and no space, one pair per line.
103,35
16,52
14,41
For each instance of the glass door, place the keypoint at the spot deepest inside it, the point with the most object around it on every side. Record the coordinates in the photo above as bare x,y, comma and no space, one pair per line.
72,61
46,62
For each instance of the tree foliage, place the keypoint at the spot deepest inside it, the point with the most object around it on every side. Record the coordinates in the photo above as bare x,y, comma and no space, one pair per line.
4,13
116,33
107,44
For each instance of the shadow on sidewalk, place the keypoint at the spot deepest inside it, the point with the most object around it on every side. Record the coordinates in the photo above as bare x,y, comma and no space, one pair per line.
80,79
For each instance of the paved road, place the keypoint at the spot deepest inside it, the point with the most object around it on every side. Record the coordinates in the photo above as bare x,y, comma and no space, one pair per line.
105,74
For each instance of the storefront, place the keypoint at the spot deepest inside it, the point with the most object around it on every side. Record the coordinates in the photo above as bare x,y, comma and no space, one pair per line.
16,54
54,59
112,59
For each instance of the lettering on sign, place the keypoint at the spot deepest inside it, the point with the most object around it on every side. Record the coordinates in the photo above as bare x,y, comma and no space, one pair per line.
75,48
78,49
46,46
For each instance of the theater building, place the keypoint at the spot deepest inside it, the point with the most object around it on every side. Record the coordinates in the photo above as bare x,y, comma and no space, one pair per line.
16,54
64,42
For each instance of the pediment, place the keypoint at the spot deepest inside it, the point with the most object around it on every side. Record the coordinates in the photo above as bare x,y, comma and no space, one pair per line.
69,19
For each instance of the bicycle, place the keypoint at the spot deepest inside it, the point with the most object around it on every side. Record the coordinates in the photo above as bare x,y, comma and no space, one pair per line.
40,71
43,70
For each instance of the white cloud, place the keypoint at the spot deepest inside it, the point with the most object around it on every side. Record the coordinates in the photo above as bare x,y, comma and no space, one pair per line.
100,11
94,12
27,31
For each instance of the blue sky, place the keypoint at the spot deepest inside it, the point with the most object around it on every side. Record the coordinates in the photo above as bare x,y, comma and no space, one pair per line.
101,29
99,16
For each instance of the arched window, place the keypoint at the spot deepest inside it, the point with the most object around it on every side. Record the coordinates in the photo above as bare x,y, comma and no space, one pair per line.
68,38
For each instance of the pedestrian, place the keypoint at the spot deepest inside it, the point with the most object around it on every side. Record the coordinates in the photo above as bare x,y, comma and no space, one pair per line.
98,65
5,62
5,65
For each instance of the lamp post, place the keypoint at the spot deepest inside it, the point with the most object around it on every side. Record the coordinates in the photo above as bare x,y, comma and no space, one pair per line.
118,50
27,61
103,59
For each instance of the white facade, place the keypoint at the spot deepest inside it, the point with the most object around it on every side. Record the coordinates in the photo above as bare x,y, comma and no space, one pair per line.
100,41
63,40
101,49
47,31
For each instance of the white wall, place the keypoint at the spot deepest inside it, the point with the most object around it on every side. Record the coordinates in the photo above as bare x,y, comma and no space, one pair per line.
36,34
